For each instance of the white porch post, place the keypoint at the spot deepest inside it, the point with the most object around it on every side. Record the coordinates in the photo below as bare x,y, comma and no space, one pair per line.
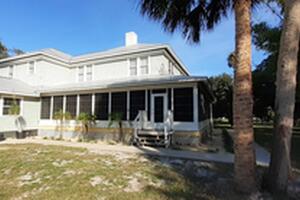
93,104
195,102
64,103
1,106
109,103
78,105
172,99
128,105
51,107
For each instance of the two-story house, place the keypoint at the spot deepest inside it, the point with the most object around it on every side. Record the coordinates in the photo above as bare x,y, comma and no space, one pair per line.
146,83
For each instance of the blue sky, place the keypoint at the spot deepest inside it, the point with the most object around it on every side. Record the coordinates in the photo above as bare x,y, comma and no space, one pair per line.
82,26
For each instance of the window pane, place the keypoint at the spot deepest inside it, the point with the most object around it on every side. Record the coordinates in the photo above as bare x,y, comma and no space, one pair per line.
137,102
119,103
144,65
133,66
45,107
8,103
86,103
89,72
31,67
183,104
71,105
11,71
57,103
80,73
101,106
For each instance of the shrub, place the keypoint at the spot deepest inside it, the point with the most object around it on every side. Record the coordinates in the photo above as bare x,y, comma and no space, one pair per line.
227,141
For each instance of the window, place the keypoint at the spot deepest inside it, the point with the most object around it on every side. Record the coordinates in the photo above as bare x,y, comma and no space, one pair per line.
45,107
11,106
31,67
101,106
11,71
89,72
137,102
119,103
71,105
133,67
144,65
57,104
183,104
80,73
86,103
171,68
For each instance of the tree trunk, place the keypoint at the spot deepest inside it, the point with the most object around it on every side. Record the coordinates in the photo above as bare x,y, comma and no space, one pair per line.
280,166
245,161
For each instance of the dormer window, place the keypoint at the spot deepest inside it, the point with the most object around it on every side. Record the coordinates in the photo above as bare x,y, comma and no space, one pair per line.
133,67
11,71
31,67
89,72
80,73
144,66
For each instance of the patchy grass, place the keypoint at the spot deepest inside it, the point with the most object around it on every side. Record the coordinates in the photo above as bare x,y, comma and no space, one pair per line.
54,172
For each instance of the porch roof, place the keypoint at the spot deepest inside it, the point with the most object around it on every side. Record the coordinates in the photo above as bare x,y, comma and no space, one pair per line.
9,86
123,83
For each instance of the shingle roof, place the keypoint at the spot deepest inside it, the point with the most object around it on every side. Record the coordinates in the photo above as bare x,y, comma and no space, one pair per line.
74,60
16,87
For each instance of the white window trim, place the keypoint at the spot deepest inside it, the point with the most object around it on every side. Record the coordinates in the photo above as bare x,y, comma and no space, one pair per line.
12,68
137,66
34,67
10,97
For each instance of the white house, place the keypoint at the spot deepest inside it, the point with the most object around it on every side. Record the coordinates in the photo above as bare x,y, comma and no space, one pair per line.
146,83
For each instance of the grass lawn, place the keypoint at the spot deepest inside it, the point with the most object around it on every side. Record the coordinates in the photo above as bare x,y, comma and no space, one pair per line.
31,171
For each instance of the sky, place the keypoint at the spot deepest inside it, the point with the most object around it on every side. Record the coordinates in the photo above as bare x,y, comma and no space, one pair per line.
83,26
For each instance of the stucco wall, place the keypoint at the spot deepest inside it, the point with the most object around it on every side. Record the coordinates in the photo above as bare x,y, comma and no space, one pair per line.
46,73
30,112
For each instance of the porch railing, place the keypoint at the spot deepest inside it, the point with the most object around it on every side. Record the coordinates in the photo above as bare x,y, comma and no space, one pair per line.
139,122
168,126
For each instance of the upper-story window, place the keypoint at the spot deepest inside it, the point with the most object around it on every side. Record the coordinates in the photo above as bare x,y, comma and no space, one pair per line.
11,71
133,66
89,72
80,73
144,66
31,67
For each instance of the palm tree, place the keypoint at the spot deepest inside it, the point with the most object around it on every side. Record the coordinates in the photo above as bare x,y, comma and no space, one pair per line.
116,117
85,119
192,17
280,166
61,116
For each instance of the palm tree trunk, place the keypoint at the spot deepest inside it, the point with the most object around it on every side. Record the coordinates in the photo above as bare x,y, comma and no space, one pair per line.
280,166
244,165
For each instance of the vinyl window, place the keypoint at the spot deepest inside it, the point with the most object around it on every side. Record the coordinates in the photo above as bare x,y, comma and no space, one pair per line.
31,67
133,67
8,103
11,71
80,73
144,66
89,72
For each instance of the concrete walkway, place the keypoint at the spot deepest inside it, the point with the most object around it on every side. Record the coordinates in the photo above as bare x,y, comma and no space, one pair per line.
112,149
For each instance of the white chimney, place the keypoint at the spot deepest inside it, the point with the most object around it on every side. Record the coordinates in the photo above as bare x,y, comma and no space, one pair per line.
131,38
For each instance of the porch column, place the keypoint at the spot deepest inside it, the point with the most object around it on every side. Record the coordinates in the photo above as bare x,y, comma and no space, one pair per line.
51,107
64,103
78,105
128,105
195,102
93,104
109,103
1,106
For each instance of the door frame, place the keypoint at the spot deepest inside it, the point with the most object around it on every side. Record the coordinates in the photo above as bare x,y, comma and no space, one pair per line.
165,99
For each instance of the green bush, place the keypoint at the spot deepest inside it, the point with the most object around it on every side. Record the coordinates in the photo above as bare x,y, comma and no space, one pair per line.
227,141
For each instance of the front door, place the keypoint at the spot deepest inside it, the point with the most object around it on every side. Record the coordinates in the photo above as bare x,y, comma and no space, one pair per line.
159,108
